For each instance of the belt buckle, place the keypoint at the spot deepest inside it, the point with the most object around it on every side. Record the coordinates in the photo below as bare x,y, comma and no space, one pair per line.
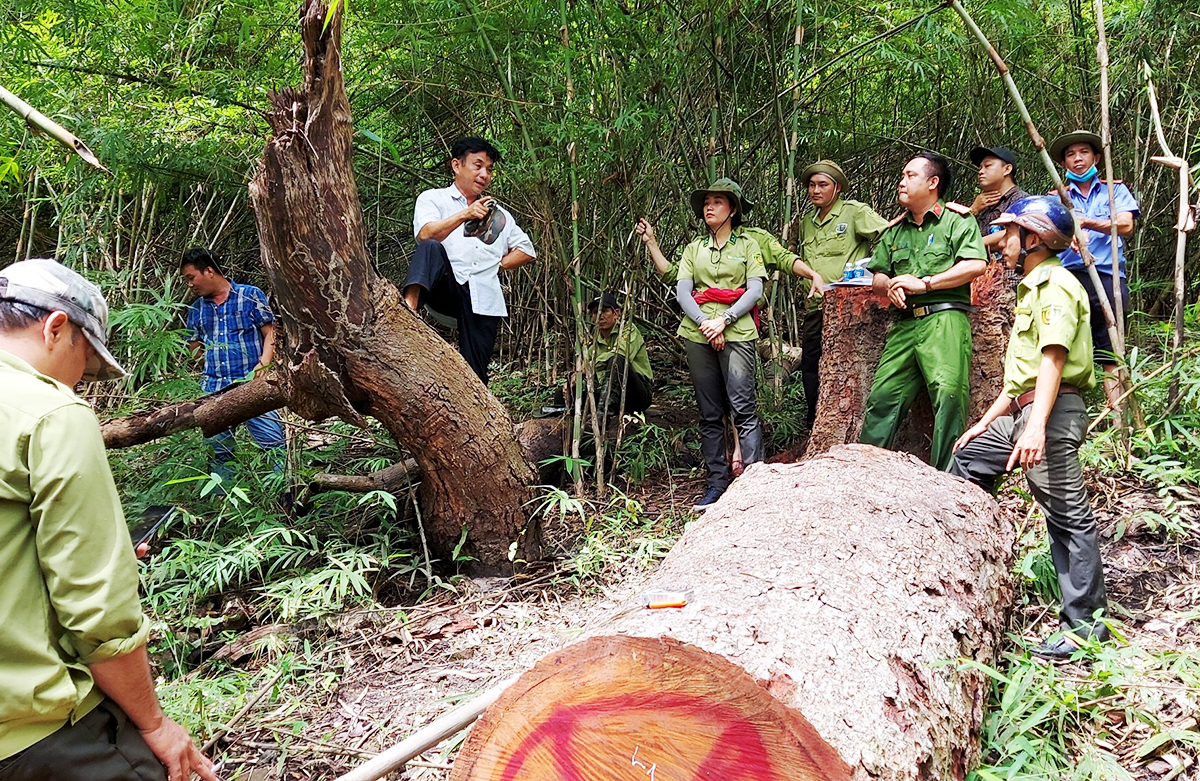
920,311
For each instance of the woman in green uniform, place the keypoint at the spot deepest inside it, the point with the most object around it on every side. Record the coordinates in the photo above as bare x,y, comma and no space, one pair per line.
720,280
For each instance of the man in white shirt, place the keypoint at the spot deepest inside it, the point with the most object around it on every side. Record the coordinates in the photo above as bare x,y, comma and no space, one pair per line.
463,240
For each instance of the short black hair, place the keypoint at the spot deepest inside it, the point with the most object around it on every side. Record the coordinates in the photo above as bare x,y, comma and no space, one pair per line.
939,166
200,259
17,315
469,144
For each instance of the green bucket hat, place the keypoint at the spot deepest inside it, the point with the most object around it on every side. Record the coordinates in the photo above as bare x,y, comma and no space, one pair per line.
830,169
1058,147
725,186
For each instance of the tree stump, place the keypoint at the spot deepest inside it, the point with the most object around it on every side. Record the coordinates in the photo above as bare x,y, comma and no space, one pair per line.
856,325
831,601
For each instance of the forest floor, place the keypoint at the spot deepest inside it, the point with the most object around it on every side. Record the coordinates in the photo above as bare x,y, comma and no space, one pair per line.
383,674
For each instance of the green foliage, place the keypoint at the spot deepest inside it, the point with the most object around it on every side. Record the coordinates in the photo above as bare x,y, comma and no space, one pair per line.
619,536
1051,723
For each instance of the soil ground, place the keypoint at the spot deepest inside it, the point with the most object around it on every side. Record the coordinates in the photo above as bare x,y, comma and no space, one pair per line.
391,671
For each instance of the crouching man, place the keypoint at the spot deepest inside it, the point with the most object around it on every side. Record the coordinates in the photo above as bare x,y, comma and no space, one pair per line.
1039,420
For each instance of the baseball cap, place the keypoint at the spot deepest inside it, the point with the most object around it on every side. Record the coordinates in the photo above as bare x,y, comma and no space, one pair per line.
52,286
1002,152
605,301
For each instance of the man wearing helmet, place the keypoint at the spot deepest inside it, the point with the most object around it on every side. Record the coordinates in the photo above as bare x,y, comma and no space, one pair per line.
1039,419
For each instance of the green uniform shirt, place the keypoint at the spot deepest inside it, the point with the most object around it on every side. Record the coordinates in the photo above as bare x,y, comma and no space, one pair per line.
846,234
631,345
728,268
776,257
68,597
1052,309
925,250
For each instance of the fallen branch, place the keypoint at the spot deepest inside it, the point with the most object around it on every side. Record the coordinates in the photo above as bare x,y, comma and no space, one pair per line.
211,414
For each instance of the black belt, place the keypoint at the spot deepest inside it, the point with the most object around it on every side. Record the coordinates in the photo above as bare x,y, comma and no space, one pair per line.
917,312
1025,399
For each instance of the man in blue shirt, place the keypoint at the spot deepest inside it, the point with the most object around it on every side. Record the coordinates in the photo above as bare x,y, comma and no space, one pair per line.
233,327
1079,152
464,238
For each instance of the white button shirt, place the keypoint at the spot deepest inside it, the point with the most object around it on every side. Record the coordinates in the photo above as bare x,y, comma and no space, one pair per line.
472,260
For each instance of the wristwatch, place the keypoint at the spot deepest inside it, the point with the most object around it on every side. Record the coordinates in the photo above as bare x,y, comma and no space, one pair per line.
729,317
928,284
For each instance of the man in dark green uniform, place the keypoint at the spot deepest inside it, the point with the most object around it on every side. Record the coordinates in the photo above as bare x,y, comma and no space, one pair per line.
618,361
924,263
1039,419
836,232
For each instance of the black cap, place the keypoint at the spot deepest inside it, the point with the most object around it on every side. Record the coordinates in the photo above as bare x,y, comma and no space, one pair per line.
605,301
1004,153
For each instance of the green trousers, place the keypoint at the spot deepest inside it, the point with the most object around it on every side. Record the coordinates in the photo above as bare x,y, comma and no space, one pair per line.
937,350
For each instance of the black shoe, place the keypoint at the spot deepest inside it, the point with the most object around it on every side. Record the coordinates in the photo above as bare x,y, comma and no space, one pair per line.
709,499
1059,650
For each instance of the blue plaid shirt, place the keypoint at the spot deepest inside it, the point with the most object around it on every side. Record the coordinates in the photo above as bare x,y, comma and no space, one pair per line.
230,333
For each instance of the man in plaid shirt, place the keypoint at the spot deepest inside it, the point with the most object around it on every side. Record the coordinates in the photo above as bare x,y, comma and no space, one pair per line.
233,326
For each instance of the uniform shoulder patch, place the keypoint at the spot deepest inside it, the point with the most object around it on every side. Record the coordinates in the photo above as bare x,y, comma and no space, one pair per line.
1052,313
958,208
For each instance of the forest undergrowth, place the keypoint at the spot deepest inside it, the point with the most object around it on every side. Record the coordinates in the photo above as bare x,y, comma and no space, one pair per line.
305,637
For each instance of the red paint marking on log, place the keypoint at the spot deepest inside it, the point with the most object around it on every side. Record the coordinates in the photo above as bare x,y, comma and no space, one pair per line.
739,754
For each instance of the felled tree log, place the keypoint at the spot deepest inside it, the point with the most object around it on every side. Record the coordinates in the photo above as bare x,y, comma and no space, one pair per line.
831,603
856,326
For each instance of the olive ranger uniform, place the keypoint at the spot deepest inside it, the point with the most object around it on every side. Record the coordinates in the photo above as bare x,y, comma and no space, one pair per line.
726,378
607,360
932,338
846,234
775,256
1052,309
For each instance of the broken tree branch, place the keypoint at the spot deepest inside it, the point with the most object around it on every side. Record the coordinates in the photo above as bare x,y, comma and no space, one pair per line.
42,123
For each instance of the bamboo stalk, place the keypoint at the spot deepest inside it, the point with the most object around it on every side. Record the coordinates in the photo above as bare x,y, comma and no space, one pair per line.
1040,145
426,737
41,122
1183,225
1106,142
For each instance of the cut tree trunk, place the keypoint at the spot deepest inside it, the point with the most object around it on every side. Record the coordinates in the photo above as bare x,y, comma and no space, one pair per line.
856,326
816,643
352,347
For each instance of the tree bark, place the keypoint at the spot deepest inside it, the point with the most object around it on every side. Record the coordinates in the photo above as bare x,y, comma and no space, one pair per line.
352,347
856,326
814,644
211,414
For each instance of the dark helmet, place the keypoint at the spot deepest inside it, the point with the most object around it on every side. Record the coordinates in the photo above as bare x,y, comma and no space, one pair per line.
1044,215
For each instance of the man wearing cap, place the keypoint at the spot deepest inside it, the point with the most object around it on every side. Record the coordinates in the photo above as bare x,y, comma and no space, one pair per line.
924,263
77,700
998,192
1039,419
232,326
617,359
464,239
1080,152
838,231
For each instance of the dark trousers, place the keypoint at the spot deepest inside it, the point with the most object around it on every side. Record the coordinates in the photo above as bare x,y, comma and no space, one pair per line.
1101,345
1057,485
725,380
102,746
608,388
431,271
810,360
